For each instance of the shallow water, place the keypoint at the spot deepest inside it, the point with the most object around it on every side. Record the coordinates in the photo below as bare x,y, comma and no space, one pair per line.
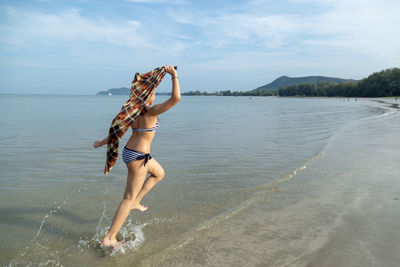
218,153
340,208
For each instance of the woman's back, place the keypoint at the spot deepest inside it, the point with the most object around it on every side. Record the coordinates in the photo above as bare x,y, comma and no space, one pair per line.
143,132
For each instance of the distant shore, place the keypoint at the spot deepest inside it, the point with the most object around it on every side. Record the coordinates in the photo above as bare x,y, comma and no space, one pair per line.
379,84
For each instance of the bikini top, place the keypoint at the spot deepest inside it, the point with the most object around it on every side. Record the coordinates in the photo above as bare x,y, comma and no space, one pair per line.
154,129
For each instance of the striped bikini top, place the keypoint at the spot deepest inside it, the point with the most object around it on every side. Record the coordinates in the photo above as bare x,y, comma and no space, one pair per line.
154,129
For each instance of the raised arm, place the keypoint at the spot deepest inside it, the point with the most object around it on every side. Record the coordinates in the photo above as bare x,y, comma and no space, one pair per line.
175,94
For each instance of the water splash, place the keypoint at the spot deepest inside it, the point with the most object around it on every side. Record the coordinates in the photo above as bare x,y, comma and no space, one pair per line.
131,234
130,245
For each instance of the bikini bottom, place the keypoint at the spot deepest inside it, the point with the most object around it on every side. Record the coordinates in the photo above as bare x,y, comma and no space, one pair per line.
129,155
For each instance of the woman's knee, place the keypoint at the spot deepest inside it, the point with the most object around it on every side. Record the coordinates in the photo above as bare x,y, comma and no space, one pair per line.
162,174
159,175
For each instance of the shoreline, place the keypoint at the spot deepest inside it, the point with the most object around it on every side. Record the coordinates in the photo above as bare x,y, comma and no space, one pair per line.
336,212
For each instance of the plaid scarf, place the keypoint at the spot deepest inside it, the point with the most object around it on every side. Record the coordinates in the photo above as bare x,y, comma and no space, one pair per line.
143,85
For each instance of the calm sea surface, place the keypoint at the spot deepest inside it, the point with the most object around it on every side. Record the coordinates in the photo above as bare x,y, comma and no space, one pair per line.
217,152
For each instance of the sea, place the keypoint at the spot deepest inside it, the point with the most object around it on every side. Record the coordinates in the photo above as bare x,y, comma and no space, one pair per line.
250,181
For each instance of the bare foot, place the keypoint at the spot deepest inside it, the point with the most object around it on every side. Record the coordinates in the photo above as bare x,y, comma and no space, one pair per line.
107,243
97,144
138,206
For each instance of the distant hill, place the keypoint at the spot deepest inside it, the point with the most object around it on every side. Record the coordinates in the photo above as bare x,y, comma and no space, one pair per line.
116,91
285,81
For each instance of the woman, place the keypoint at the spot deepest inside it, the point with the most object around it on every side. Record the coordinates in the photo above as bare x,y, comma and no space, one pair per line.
136,155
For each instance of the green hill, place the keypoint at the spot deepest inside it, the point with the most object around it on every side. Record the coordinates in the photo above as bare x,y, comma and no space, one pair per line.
285,81
378,84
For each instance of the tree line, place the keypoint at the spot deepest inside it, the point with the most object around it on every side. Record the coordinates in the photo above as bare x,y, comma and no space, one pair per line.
378,84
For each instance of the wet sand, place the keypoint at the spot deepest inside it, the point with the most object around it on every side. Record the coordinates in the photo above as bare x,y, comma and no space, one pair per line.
368,236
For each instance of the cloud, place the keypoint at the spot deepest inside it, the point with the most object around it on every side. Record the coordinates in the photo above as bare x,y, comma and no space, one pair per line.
368,27
69,27
363,27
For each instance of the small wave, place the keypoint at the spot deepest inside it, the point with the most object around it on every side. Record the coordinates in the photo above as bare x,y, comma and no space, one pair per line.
387,110
390,108
287,176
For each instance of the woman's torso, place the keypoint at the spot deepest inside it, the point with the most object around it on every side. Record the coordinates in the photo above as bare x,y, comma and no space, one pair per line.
141,140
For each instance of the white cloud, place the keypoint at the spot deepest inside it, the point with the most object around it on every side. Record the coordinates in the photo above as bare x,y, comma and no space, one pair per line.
368,27
347,39
69,27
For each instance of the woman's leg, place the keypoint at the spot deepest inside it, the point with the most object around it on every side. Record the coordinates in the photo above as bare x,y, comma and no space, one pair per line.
136,177
156,175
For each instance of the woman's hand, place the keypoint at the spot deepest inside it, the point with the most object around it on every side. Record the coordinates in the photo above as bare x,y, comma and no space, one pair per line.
99,143
170,69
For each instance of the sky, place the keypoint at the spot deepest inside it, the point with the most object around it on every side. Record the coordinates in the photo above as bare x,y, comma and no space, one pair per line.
82,46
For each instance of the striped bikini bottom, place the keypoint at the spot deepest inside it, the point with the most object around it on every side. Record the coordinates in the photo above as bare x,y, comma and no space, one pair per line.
129,155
